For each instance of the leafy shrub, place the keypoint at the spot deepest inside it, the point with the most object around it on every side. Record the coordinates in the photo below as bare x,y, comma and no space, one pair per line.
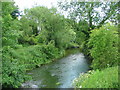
81,30
42,54
17,61
104,47
10,26
107,78
42,37
13,73
36,55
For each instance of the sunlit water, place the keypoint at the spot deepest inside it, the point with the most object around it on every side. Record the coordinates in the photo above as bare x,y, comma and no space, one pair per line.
58,74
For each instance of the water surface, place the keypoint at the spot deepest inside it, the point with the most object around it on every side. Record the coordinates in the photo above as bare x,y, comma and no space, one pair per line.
59,74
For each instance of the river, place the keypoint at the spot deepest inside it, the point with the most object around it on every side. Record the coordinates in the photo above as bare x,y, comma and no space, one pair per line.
58,74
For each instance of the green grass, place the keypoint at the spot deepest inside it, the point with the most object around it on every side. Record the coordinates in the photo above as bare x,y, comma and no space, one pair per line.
107,78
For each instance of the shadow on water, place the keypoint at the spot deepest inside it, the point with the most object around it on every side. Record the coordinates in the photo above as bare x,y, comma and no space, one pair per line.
60,73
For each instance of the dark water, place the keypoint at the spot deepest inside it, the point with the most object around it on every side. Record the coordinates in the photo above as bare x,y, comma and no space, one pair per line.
59,74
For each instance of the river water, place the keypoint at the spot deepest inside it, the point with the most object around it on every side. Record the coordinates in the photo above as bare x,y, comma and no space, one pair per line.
58,74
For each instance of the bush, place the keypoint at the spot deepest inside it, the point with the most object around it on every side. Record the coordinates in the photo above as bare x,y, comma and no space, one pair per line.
42,54
107,78
13,73
103,44
17,61
36,55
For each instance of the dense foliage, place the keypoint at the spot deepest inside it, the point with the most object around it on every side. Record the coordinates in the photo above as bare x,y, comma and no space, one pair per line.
18,55
42,35
89,15
107,78
12,72
91,11
103,44
44,26
98,40
10,26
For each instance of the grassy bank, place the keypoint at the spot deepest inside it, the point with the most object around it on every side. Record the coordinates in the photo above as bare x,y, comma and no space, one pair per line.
107,78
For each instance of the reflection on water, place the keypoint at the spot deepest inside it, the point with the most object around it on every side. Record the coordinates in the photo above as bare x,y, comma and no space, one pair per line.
60,73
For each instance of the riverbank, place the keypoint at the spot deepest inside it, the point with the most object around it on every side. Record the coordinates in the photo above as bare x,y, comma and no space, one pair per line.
23,59
107,78
60,72
65,54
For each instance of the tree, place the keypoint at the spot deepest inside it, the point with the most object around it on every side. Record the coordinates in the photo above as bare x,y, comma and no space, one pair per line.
13,73
104,46
10,26
95,13
47,23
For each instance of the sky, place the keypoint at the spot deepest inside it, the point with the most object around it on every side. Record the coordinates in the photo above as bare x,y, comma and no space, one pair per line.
22,4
